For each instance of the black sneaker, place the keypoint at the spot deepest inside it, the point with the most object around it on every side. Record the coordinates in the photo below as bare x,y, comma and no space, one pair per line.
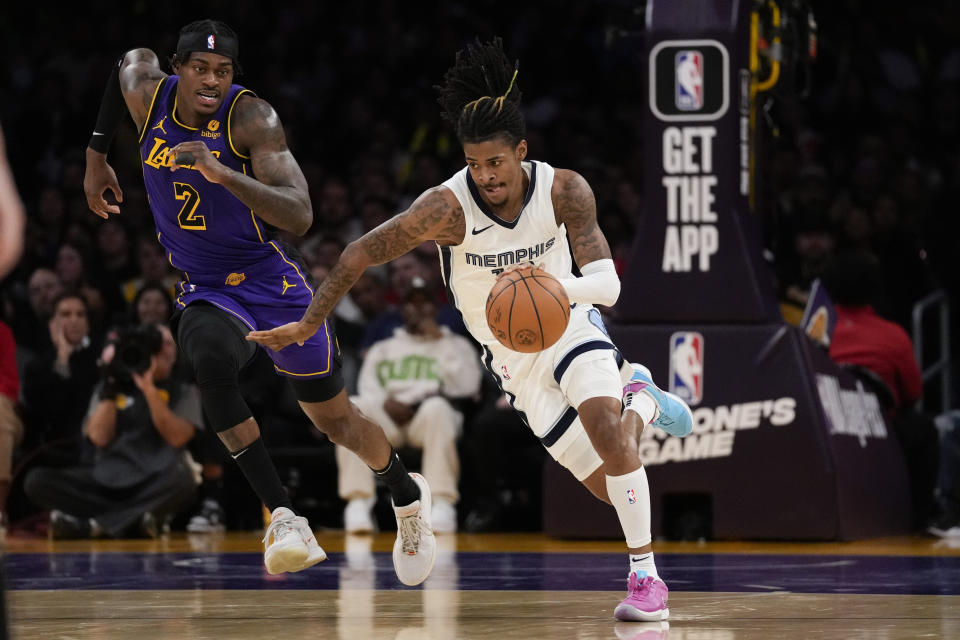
64,526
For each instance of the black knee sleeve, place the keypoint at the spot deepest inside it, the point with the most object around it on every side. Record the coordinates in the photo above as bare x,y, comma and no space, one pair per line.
318,389
214,343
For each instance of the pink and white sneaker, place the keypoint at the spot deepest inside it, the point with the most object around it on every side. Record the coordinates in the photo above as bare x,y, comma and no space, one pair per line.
646,599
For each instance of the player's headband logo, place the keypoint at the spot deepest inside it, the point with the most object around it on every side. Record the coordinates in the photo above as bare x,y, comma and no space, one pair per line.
216,43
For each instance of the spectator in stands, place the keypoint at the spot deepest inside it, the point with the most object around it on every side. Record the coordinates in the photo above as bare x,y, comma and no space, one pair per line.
115,263
322,251
57,385
374,211
365,303
813,243
864,338
152,266
335,213
50,217
43,288
11,427
403,271
72,266
139,421
30,325
152,304
881,353
416,385
354,313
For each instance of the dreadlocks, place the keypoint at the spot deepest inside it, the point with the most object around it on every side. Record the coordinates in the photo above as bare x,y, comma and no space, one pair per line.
480,96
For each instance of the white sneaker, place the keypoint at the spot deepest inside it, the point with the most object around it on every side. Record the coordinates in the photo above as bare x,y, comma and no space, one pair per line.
357,516
415,549
210,518
289,543
443,518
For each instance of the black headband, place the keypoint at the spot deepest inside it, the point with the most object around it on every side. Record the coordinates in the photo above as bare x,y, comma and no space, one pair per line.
221,44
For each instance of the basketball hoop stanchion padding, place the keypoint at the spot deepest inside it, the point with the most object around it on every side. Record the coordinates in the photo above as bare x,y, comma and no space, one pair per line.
785,445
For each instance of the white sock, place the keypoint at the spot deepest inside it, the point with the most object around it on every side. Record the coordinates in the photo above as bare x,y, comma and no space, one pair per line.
630,496
644,562
644,406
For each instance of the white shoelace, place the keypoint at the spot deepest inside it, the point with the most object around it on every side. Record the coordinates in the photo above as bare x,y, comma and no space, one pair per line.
410,528
279,529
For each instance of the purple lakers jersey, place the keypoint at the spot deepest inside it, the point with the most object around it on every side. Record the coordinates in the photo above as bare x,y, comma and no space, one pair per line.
205,229
218,242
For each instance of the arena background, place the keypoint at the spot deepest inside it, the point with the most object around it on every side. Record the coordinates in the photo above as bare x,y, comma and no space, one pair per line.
874,117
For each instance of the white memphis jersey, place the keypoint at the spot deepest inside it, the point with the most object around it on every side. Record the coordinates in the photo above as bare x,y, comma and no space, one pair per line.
490,245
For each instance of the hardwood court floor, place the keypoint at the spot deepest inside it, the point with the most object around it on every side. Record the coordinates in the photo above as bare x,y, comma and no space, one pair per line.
483,586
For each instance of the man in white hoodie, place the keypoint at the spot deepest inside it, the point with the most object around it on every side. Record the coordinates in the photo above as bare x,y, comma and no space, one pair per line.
411,384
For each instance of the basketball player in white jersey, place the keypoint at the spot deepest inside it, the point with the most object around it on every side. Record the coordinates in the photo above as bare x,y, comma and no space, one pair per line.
501,211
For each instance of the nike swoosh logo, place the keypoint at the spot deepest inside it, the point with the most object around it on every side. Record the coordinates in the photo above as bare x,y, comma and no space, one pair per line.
97,133
476,231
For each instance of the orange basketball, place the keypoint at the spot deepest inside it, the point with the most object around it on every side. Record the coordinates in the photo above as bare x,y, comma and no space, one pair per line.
528,310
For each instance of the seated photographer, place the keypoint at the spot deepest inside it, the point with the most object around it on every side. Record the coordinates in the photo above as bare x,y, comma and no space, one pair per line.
141,416
152,304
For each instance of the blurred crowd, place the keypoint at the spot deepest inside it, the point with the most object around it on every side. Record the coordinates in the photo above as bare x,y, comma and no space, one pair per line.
868,159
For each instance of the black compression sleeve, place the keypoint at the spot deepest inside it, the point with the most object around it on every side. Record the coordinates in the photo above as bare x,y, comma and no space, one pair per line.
111,112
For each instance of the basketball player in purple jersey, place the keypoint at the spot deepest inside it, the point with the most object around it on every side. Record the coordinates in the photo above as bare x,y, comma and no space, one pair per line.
217,170
585,403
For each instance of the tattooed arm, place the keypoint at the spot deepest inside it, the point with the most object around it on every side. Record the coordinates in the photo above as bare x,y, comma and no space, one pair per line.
277,192
140,74
435,215
132,85
574,205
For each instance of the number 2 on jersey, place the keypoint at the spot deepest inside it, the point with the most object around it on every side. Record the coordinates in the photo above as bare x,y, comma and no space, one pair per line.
188,217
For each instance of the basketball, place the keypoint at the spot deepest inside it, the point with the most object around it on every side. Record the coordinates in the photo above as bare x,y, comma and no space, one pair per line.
528,310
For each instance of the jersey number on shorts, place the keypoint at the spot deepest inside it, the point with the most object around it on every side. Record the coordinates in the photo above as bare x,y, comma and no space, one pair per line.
188,217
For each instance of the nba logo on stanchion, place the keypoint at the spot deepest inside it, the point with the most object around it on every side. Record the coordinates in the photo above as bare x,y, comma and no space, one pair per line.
689,80
686,366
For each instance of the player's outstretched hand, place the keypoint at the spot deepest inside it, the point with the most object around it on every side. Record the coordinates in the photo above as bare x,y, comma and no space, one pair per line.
279,337
99,177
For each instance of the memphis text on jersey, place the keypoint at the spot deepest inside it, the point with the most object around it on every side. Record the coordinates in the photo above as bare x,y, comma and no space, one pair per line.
506,258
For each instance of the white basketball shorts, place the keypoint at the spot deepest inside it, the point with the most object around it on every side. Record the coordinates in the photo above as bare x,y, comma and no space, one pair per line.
547,387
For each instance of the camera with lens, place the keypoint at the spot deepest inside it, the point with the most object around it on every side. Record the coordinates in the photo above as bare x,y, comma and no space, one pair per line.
133,349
